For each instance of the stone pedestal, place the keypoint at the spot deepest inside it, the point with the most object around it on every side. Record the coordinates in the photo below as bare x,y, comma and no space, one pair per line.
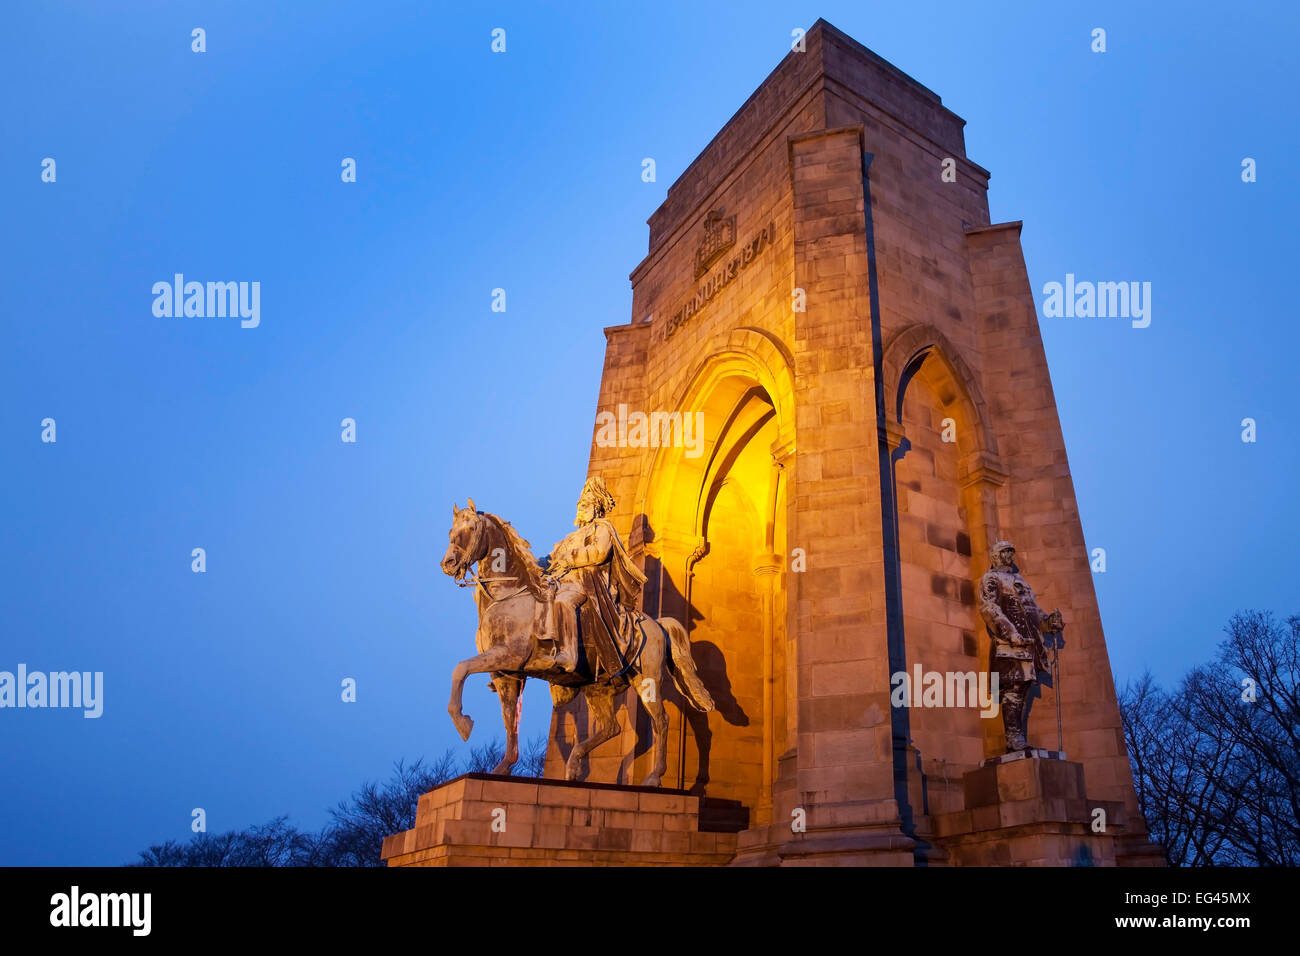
1030,810
1031,753
485,820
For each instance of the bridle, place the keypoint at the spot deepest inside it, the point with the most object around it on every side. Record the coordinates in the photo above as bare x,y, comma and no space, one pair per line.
474,580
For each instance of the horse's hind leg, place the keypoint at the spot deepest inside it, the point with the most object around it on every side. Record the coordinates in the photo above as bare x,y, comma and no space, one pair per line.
649,685
508,689
600,698
648,689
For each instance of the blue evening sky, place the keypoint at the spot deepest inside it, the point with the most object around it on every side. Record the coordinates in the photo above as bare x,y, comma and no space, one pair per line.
523,171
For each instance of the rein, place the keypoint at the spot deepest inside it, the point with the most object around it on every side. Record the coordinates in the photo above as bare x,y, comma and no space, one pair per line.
474,580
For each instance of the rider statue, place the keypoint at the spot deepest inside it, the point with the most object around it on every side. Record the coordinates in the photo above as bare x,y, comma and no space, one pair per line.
590,564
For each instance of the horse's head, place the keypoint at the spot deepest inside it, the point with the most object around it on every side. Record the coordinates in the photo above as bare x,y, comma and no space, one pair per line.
466,541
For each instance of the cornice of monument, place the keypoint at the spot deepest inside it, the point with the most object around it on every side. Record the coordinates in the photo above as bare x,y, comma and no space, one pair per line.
847,93
639,325
820,30
823,78
1014,225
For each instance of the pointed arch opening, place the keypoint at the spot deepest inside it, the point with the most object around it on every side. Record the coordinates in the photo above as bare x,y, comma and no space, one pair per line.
715,523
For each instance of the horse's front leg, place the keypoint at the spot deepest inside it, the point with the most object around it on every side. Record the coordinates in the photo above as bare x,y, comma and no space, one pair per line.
501,657
508,689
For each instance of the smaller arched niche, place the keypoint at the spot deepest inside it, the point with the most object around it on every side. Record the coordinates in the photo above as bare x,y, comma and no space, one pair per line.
943,494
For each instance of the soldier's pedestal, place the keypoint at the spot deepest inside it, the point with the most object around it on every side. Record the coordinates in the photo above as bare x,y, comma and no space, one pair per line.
485,820
1030,810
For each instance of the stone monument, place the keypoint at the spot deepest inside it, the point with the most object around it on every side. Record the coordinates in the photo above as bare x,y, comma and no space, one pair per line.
830,406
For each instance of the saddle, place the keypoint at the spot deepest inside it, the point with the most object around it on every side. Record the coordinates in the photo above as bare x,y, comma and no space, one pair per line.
609,654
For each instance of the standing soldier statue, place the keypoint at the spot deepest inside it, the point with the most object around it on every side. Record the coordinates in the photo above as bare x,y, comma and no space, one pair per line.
1016,625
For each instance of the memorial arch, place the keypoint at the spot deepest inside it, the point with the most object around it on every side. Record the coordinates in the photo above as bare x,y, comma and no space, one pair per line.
717,528
945,481
812,234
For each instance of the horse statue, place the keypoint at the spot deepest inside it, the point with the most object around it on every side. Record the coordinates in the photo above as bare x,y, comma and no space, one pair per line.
513,597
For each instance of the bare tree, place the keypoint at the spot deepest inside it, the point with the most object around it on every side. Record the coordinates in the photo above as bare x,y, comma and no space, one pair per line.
360,823
1216,763
357,826
353,836
485,757
1148,721
1254,702
272,844
532,762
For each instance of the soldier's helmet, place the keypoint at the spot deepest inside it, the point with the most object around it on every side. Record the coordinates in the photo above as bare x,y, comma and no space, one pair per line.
996,557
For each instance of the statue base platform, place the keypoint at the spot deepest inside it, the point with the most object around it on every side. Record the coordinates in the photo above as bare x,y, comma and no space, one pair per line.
481,819
1026,809
1033,753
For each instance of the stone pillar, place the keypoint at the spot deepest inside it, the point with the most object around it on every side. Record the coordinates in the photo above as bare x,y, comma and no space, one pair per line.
783,459
767,578
845,777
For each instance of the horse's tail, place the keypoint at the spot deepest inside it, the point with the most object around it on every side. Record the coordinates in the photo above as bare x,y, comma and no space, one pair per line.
682,666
